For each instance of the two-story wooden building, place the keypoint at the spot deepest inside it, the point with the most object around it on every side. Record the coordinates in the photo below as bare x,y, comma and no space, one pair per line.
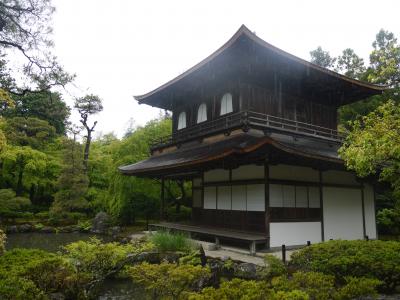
255,129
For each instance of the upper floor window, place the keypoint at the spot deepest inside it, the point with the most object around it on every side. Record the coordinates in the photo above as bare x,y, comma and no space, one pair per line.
202,113
182,120
226,104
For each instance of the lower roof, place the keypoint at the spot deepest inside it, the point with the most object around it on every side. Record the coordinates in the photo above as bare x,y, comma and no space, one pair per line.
236,147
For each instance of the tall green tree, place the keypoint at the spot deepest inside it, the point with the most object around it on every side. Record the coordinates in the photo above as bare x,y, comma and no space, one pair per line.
385,60
25,27
87,106
72,183
46,105
373,145
32,132
125,192
25,166
350,64
322,58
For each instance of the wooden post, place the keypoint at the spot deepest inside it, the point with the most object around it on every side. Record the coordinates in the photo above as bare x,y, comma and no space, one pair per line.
363,210
284,254
321,205
162,203
267,209
308,243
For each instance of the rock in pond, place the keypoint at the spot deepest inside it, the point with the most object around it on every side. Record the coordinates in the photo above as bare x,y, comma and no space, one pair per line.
12,229
25,228
48,229
100,223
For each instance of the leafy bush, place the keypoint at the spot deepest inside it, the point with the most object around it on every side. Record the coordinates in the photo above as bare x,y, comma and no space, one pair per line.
273,266
184,214
322,287
388,220
248,290
3,238
165,241
16,288
38,226
94,260
84,225
168,280
370,259
9,203
32,273
43,215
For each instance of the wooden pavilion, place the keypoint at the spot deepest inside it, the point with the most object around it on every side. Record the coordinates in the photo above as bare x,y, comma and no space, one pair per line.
255,129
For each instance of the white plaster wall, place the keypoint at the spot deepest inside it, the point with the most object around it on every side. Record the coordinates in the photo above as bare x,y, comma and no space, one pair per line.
342,213
239,197
197,198
256,197
339,177
287,172
216,175
210,197
294,233
248,172
224,197
370,223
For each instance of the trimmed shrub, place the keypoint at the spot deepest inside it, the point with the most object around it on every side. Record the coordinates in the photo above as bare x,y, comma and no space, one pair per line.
16,288
168,280
371,259
273,266
165,242
246,290
3,238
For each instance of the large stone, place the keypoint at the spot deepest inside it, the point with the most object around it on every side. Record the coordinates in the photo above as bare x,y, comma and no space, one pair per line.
12,229
25,228
245,270
100,223
114,231
48,229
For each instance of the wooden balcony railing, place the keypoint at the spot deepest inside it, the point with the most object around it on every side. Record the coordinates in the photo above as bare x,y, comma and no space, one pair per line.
247,120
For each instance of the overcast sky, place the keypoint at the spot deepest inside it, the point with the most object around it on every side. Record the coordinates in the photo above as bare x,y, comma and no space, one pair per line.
122,48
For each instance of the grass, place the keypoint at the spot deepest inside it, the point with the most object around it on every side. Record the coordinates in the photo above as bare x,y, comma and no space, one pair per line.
168,242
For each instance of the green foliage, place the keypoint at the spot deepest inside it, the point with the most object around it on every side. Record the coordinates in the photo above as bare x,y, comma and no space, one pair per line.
136,147
3,239
33,273
373,145
273,266
370,259
45,105
17,288
357,287
388,221
168,281
32,132
94,260
165,241
322,58
85,225
193,258
184,214
247,290
350,64
72,182
385,60
9,203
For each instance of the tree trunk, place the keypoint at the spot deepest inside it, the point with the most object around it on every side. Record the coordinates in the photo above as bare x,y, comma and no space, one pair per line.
20,187
87,149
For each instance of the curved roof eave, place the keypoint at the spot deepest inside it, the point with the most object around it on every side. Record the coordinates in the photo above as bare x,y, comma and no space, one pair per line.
243,30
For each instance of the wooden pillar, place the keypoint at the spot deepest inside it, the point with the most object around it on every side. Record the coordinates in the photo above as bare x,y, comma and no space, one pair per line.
321,204
162,196
363,210
267,210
